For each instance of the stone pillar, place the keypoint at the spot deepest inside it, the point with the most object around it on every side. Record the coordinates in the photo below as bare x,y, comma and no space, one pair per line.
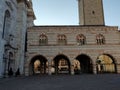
49,68
26,71
94,69
118,68
72,70
26,67
20,35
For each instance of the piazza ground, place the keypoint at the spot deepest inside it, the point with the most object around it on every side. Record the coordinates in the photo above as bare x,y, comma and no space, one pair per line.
62,82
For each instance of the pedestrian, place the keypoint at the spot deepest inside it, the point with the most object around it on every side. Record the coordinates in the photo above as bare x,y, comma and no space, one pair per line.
10,72
17,73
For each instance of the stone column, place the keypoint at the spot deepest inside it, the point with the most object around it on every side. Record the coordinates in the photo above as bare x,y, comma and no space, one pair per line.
20,35
94,63
72,70
49,68
118,68
26,70
26,67
94,69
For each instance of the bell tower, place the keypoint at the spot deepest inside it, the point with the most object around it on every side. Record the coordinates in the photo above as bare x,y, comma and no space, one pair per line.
91,12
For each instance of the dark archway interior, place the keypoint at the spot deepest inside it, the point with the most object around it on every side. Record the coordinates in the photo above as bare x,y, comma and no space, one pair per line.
42,65
85,63
57,59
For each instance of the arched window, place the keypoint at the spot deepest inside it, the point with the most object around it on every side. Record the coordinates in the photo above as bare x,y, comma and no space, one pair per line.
81,39
62,40
43,40
6,24
100,39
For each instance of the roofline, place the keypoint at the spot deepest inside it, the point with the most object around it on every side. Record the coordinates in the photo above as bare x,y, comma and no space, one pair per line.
74,26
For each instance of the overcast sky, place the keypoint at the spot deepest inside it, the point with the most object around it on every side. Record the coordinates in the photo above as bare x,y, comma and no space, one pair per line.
65,12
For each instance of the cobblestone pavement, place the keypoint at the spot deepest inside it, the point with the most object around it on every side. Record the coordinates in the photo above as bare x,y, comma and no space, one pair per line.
62,82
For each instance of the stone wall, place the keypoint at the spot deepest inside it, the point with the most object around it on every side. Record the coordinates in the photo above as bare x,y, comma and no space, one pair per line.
16,34
91,12
71,32
72,49
11,7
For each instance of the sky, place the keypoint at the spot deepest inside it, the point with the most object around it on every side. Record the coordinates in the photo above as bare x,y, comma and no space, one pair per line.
65,12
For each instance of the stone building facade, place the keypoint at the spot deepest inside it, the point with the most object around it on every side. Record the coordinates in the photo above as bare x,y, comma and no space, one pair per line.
88,52
15,17
90,47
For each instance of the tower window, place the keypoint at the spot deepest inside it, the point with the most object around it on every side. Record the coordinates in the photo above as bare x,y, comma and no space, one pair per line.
93,12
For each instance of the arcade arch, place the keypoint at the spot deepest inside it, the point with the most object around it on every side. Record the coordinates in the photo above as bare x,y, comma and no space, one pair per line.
61,65
106,64
84,65
38,65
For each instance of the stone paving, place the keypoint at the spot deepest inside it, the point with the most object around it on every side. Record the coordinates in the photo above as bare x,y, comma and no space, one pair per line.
62,82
